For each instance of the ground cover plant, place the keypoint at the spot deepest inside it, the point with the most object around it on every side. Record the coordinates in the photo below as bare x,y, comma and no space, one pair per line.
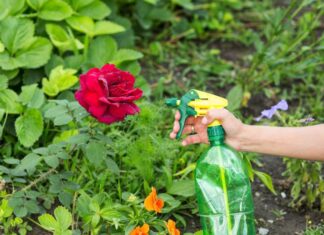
68,166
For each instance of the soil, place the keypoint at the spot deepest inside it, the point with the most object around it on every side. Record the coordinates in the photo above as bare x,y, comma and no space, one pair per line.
266,204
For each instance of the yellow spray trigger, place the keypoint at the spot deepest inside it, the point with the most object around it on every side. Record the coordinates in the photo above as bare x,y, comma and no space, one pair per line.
207,102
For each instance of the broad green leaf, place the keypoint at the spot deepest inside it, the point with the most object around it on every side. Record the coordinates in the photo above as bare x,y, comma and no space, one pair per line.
83,24
55,10
4,9
96,152
266,179
36,54
29,127
32,96
8,63
36,4
9,102
78,4
61,39
3,82
48,222
60,79
185,188
63,217
86,25
96,10
107,27
126,55
51,160
2,48
102,50
16,33
29,163
234,97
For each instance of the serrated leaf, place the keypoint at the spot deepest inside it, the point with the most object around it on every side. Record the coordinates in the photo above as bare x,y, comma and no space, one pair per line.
59,80
32,96
9,102
63,217
36,54
29,127
48,222
16,33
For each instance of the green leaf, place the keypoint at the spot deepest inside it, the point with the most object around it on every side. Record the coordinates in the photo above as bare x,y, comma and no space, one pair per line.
16,33
32,96
36,4
83,24
60,79
48,222
3,82
184,3
29,163
266,179
9,102
63,217
107,27
86,25
51,160
102,50
126,55
95,153
36,54
96,10
55,10
185,188
2,48
234,97
61,39
29,127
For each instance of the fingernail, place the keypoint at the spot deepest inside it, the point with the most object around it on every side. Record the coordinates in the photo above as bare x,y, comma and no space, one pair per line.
184,143
204,120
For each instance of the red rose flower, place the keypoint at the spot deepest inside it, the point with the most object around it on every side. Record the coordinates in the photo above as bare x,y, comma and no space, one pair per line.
108,94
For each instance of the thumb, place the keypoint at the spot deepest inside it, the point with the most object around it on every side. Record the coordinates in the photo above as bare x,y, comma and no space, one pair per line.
213,114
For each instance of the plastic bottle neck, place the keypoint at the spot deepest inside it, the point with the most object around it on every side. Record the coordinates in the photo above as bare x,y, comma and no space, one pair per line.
216,135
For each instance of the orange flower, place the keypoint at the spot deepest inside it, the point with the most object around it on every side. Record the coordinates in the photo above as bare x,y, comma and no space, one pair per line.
153,203
171,225
144,230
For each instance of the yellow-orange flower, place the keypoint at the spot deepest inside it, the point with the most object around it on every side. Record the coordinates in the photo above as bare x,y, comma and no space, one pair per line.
144,230
153,203
171,225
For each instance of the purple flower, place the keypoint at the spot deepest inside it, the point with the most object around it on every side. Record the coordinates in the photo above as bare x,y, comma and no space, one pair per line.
307,120
268,113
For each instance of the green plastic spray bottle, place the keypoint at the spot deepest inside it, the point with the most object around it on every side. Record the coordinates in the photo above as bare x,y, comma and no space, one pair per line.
222,184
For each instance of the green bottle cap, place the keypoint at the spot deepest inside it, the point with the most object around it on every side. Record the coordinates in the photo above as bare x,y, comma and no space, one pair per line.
216,134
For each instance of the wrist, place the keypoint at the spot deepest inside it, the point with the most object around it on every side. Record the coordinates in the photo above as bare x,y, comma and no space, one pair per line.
242,137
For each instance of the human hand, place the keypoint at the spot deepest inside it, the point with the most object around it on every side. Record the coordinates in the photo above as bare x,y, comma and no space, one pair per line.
233,127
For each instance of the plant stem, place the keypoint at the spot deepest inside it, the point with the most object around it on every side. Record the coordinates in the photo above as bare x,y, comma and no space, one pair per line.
40,178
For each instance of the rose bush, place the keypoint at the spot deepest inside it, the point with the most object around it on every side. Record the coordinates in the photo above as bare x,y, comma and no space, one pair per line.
108,94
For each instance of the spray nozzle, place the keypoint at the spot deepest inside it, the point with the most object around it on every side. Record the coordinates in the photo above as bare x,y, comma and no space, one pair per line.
196,103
